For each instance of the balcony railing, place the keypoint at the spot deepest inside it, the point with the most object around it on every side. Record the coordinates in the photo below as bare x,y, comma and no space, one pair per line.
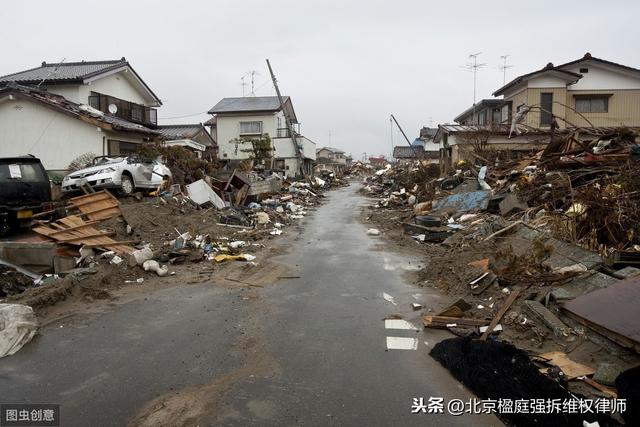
125,110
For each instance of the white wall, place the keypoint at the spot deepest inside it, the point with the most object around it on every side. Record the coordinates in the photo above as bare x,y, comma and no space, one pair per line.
546,81
283,148
228,129
70,92
117,85
602,78
55,138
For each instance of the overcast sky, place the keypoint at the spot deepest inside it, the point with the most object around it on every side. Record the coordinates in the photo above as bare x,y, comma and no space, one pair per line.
346,65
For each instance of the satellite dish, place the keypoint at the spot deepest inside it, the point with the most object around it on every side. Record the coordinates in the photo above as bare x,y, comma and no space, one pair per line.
113,108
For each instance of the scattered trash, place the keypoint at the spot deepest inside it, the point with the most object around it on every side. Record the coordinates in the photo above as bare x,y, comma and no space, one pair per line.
18,326
373,232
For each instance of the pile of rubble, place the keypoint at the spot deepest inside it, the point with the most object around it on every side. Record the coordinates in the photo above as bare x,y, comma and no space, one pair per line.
534,250
100,241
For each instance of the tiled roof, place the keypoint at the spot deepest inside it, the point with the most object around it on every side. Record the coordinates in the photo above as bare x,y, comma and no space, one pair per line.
179,131
73,72
185,131
247,104
333,150
78,111
549,68
414,152
69,72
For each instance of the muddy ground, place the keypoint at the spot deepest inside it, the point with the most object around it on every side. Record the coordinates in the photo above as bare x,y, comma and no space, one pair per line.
152,221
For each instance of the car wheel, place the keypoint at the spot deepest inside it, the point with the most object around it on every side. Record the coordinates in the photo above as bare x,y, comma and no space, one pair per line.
127,185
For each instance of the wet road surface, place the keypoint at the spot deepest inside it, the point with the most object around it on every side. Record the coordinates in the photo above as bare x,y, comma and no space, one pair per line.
307,351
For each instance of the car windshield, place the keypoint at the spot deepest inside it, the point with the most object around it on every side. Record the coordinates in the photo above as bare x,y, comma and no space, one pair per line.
107,160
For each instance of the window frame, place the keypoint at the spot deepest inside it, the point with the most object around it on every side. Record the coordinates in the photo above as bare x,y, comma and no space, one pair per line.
546,109
253,122
590,98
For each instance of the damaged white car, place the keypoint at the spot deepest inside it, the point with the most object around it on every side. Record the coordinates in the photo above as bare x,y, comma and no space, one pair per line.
124,173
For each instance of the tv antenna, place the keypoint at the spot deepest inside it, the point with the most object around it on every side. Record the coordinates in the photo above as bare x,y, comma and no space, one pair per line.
55,70
243,85
473,67
504,67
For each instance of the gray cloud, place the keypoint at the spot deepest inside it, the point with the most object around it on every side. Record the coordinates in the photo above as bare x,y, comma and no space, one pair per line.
347,65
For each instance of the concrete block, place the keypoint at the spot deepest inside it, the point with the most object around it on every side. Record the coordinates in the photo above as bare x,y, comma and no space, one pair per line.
550,320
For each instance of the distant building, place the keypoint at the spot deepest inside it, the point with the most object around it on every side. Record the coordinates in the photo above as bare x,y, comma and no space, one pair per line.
422,148
238,119
329,158
378,161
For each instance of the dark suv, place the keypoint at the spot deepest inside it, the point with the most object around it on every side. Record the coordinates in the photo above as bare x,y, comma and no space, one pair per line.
24,191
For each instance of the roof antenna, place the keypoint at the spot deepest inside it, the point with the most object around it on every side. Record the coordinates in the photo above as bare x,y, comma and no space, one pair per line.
55,69
504,67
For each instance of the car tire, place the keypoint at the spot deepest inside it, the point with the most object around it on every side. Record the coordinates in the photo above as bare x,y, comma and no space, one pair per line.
127,186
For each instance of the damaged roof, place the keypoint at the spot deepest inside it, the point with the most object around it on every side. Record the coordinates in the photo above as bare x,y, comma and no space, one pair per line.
184,131
414,152
80,111
73,72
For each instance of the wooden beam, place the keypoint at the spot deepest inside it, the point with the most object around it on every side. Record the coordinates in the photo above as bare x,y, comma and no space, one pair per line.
512,297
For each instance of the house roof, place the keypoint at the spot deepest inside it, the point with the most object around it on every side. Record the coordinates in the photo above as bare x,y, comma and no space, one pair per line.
427,132
79,111
548,69
252,104
73,72
484,103
333,150
184,131
587,57
211,122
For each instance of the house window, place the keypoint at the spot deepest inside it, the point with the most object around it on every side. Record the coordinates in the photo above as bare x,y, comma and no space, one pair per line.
546,107
482,118
250,128
592,104
584,70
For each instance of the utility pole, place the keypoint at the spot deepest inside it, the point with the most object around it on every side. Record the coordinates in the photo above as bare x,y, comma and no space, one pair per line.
288,121
405,135
473,66
391,134
504,67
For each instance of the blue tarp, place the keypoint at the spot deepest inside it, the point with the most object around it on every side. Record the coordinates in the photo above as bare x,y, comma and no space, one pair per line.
464,202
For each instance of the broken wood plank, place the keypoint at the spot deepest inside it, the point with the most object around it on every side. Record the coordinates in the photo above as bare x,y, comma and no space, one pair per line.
512,297
114,243
611,392
570,368
88,236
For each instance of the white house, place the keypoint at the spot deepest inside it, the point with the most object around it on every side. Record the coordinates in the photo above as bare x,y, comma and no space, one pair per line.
251,117
58,112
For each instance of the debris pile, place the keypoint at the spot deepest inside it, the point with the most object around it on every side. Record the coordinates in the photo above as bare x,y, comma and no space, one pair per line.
515,243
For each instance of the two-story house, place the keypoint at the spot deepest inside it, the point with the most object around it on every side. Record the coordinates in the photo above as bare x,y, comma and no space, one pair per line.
238,120
333,159
587,92
58,112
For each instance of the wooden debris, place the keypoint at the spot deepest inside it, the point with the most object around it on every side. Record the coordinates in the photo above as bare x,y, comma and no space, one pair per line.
512,297
76,231
97,206
611,392
570,368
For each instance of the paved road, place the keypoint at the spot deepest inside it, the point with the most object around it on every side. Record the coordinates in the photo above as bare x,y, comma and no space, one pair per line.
306,351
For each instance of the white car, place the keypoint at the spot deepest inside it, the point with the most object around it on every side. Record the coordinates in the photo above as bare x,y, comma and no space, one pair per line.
125,173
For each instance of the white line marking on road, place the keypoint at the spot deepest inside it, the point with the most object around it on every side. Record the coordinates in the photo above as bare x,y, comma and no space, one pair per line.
389,298
399,324
402,343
